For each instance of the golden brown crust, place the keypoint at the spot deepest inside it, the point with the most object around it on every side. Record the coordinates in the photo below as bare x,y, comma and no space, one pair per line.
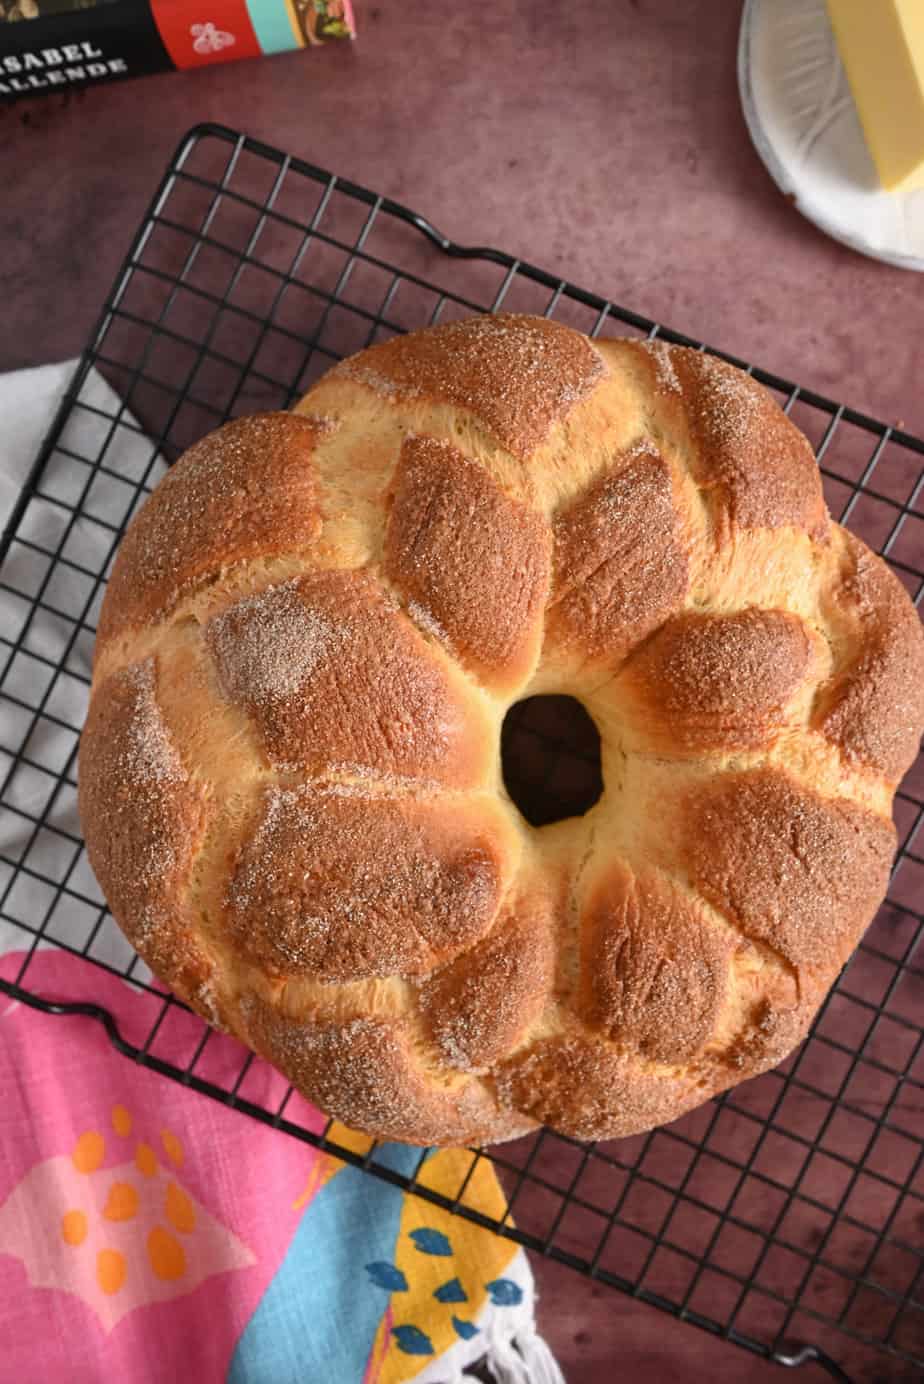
719,682
801,873
586,1088
473,564
621,562
144,820
873,708
342,886
517,375
244,491
757,464
477,1008
770,1034
333,674
655,966
290,778
365,1072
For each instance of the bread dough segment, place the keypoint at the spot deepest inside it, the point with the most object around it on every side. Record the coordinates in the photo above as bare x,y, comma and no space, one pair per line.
340,884
334,676
874,704
794,870
655,965
720,682
481,1005
588,1089
621,562
472,564
517,376
366,1073
247,490
149,819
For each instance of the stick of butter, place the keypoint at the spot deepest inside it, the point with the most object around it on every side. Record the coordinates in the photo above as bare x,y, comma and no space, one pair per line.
881,43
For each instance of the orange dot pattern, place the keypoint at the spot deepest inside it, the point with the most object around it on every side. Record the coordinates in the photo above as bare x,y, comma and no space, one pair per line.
180,1211
73,1227
121,1203
121,1121
145,1159
89,1151
172,1147
166,1255
110,1270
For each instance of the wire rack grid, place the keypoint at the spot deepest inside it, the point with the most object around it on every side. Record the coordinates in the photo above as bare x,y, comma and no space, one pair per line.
789,1210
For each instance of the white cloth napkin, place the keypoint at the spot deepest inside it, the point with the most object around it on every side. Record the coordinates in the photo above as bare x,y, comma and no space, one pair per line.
28,399
100,424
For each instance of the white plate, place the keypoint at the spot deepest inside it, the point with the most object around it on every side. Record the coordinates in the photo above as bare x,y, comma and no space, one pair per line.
805,127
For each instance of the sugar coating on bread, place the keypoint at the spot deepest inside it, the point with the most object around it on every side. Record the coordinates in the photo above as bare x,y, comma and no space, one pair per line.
720,681
247,494
290,778
329,670
655,964
621,564
340,884
472,563
515,377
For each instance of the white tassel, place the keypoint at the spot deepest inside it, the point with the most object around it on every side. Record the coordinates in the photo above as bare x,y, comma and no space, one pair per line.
541,1365
523,1358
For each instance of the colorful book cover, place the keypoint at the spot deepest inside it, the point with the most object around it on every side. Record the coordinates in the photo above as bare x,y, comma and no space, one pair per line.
49,44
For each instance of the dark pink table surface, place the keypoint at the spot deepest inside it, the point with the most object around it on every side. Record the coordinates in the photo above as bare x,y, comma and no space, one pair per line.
603,141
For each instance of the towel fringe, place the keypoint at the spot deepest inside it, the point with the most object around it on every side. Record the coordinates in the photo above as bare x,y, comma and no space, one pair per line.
517,1357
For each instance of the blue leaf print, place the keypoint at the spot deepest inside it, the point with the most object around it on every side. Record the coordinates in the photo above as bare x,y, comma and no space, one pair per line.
450,1292
431,1241
504,1292
465,1329
412,1340
385,1275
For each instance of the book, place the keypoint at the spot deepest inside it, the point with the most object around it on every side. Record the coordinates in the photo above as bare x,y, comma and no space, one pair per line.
51,45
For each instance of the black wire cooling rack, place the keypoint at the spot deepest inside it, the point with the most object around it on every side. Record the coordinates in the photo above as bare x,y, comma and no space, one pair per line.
789,1211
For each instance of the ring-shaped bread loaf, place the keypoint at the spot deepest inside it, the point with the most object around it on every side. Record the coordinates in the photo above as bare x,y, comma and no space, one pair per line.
290,777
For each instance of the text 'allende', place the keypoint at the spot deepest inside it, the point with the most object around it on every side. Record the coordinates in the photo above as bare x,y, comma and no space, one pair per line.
71,62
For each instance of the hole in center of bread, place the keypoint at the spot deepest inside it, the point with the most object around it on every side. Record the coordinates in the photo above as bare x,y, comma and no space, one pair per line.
550,754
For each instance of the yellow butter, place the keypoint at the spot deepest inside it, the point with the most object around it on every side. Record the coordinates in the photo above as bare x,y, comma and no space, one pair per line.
881,43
